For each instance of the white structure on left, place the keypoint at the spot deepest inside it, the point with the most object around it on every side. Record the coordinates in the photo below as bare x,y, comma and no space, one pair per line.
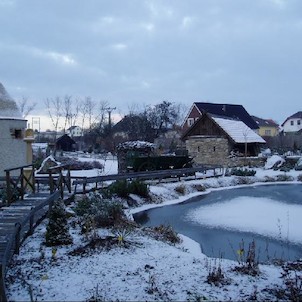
13,144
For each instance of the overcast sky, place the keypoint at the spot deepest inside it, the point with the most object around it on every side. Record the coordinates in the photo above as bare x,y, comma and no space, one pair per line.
137,51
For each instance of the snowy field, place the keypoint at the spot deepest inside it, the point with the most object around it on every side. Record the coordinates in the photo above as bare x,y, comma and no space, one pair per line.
146,269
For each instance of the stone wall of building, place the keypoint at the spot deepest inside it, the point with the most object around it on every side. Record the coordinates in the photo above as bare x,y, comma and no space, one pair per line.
215,151
208,150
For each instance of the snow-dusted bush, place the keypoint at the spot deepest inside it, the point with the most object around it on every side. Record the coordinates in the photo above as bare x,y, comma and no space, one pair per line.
274,161
122,188
102,212
284,177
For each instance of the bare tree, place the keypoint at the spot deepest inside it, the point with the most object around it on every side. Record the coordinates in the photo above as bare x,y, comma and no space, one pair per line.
54,108
67,110
25,107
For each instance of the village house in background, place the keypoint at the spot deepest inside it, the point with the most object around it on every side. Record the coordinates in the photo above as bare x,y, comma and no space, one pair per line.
74,131
15,147
227,110
267,127
293,124
215,139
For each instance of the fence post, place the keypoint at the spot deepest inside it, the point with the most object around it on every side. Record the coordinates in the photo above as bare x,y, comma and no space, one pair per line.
8,188
50,180
2,283
31,222
22,183
33,178
17,237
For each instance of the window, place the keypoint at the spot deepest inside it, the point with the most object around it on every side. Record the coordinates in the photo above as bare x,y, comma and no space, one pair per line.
267,132
190,121
16,133
291,123
214,149
298,122
198,149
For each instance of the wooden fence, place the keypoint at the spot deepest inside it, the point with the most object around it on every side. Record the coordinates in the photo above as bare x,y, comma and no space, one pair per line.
146,175
17,185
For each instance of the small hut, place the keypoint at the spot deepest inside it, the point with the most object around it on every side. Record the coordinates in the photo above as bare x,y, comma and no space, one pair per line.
65,143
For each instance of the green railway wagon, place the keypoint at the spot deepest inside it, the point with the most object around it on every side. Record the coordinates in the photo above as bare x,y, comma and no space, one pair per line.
138,163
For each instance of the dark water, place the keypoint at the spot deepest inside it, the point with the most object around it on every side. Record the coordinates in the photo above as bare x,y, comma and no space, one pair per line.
219,242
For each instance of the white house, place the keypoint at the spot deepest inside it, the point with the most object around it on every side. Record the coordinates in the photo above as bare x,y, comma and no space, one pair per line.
74,131
13,148
293,123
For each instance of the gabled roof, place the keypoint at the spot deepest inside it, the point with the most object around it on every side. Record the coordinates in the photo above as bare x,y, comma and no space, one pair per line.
238,131
294,116
228,110
235,129
265,122
8,107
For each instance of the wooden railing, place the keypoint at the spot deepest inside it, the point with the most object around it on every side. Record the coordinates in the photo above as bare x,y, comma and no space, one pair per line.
22,229
146,175
59,179
19,184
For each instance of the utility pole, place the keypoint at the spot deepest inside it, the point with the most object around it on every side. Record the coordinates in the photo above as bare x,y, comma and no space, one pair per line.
109,110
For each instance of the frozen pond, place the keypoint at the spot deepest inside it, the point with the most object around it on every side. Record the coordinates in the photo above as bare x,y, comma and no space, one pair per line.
221,220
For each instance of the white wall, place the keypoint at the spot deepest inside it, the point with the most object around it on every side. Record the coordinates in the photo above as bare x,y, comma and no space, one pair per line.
12,150
297,125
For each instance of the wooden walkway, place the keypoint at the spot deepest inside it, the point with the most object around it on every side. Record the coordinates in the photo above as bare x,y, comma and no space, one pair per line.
17,221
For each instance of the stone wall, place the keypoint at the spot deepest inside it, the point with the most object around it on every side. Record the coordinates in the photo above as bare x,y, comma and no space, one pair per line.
216,151
208,150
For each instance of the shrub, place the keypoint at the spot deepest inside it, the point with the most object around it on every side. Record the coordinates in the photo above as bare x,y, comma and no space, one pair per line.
284,177
216,276
248,262
3,195
166,233
122,188
199,188
139,188
299,178
83,206
292,282
98,211
75,164
241,172
181,189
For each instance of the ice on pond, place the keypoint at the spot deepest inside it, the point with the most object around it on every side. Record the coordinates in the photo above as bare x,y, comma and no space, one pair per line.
262,216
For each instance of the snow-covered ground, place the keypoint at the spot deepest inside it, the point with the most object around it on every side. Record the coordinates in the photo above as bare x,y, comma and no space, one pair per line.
146,269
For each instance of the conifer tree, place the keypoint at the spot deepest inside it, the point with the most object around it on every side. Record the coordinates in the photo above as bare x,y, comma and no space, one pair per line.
57,231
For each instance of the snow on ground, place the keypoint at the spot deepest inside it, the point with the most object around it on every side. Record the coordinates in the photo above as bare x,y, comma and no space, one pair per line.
147,269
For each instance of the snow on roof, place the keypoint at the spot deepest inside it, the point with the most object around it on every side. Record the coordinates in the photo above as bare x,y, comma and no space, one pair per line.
8,107
238,131
135,145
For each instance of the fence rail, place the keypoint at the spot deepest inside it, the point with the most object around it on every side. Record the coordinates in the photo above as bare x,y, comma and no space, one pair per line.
146,175
26,178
